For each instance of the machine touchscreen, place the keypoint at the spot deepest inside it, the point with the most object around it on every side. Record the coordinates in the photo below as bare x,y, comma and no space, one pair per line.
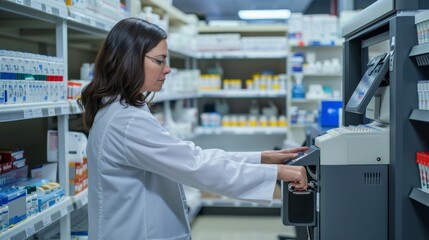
377,70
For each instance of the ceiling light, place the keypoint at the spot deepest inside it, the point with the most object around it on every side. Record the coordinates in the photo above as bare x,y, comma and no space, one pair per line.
264,14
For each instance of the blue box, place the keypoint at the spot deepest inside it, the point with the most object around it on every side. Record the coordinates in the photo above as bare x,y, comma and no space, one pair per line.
329,112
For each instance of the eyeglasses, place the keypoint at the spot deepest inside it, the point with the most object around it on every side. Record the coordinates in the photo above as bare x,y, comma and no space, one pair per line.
160,62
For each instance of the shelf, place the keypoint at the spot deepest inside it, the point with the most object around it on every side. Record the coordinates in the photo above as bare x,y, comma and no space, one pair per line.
307,100
421,54
420,115
167,96
94,25
302,125
35,223
174,14
242,94
254,28
238,54
322,74
47,11
240,130
51,11
80,200
417,194
14,112
206,202
333,44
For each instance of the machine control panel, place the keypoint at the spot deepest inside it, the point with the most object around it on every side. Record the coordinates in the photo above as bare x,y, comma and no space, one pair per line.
309,157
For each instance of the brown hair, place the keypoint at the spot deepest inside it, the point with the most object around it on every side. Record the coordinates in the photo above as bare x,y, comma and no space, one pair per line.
119,67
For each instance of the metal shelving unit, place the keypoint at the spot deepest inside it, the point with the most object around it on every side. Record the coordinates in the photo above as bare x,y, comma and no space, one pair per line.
55,19
16,112
322,51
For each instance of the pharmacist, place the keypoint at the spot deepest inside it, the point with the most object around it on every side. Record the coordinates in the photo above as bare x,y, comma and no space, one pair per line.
136,168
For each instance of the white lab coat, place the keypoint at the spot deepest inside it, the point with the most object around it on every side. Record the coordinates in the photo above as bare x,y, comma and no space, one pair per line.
136,171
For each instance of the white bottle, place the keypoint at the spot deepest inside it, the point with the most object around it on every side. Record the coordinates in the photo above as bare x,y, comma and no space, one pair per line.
34,203
28,203
84,71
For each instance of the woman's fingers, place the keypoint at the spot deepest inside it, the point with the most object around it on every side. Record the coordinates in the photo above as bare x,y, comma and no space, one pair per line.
296,175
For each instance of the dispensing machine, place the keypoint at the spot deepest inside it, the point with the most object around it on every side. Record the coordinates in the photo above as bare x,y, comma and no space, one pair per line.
348,170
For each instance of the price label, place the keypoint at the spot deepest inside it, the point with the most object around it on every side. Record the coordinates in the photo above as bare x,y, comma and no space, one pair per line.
51,112
37,113
47,220
36,4
30,231
65,110
64,212
20,2
28,113
49,9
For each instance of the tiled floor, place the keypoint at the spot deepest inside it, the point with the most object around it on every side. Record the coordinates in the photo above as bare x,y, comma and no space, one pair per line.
239,228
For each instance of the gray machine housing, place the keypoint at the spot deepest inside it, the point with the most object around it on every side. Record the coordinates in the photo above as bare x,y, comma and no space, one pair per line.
347,200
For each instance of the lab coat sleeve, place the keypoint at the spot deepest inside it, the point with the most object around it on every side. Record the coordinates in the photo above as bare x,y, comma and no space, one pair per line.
249,157
147,145
244,157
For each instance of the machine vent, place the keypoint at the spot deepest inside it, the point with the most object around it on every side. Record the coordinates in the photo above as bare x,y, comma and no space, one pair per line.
372,178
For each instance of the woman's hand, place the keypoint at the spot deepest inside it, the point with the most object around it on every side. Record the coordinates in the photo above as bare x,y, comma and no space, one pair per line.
295,175
280,156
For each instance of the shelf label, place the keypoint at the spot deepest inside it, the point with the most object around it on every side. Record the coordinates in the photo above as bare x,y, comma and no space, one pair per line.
64,211
37,113
28,113
86,21
65,110
30,231
20,2
48,9
47,220
51,112
36,5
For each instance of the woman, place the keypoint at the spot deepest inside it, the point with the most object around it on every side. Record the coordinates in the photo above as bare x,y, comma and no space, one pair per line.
136,168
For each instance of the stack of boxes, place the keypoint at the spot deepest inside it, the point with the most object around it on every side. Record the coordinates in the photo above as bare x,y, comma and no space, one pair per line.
78,176
422,159
11,159
29,78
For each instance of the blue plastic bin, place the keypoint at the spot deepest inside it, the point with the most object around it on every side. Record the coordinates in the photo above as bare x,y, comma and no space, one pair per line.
329,113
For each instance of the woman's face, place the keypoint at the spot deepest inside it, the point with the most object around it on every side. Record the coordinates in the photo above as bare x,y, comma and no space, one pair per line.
155,68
